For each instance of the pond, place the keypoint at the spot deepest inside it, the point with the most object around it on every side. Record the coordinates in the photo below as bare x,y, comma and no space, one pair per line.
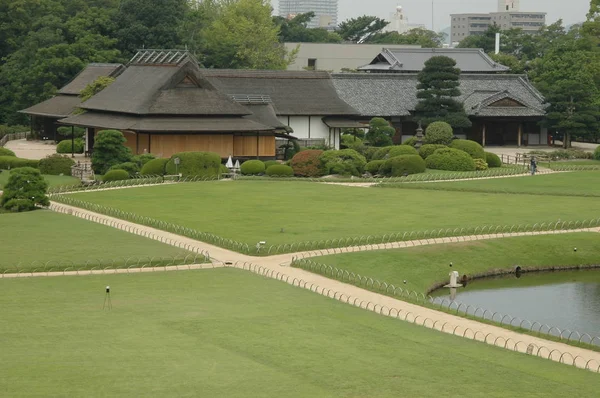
567,300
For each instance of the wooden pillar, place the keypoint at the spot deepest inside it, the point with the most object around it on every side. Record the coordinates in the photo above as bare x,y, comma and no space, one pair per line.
520,135
483,136
257,145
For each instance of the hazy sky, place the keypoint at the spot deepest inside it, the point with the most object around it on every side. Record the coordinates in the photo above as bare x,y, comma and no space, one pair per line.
419,11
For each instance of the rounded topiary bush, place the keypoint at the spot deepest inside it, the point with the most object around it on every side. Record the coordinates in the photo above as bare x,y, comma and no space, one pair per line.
428,149
439,133
6,152
155,167
12,162
280,170
252,167
369,151
400,150
450,159
374,166
142,159
344,162
115,175
65,146
412,141
308,163
480,164
399,166
597,153
195,164
492,160
56,165
130,167
270,163
471,147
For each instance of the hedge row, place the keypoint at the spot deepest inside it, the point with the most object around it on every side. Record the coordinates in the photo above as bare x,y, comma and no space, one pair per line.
12,162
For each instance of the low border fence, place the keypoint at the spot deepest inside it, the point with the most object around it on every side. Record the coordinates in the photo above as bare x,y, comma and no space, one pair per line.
457,307
488,338
13,136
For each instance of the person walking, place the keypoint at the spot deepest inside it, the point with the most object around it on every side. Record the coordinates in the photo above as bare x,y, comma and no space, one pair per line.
533,165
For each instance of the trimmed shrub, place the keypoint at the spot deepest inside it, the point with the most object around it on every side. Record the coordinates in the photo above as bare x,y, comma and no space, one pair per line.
492,160
65,146
450,159
11,162
308,163
344,162
270,163
439,133
155,167
428,149
223,169
280,170
195,164
400,150
480,164
25,189
374,166
369,151
56,165
142,159
252,167
471,147
399,166
412,141
130,167
115,175
6,152
65,132
597,153
109,149
351,142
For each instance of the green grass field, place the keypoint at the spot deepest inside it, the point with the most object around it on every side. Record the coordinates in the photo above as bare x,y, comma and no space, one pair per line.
53,181
44,236
251,211
423,266
229,333
569,164
584,183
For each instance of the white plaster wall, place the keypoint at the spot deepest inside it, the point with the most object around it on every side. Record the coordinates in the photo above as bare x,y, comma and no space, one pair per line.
534,139
544,136
310,127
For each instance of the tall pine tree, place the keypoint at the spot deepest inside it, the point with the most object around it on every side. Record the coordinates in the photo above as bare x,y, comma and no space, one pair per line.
438,89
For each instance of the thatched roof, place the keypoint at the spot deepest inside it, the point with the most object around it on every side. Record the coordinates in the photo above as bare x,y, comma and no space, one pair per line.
89,75
55,107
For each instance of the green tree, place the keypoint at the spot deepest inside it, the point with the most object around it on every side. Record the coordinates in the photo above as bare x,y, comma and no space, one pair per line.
243,35
109,150
418,36
486,41
437,93
25,189
361,29
439,133
380,132
591,26
95,87
296,30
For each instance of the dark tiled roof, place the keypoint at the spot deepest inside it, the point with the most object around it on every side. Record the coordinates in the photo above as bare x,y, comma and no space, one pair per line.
59,106
392,94
265,114
89,75
292,92
468,60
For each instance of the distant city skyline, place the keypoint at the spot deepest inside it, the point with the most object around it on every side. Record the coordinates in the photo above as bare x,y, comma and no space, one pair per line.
419,11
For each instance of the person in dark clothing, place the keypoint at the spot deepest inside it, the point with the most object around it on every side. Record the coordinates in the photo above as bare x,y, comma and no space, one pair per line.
533,165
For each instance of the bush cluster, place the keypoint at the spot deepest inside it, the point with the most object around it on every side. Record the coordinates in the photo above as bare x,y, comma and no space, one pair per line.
252,167
25,189
269,163
403,165
450,159
351,142
492,160
65,146
369,151
223,169
471,147
195,164
439,133
480,164
142,159
6,152
65,132
155,167
428,149
344,162
280,170
374,166
109,149
130,167
412,141
308,163
12,162
597,153
115,175
56,164
394,150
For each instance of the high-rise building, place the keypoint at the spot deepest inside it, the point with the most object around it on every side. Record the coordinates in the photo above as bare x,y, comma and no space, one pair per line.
326,11
508,5
399,22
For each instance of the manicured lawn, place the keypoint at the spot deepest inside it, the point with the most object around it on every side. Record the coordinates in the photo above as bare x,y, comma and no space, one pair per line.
53,181
582,183
44,236
251,211
572,163
423,266
229,333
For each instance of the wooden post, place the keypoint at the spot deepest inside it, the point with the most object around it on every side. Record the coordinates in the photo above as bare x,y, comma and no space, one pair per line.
520,134
483,136
257,144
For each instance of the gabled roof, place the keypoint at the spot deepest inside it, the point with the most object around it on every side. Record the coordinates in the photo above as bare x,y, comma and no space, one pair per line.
468,60
89,75
291,92
391,94
55,107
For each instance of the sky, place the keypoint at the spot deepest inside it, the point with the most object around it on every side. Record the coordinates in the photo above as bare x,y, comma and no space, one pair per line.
419,11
